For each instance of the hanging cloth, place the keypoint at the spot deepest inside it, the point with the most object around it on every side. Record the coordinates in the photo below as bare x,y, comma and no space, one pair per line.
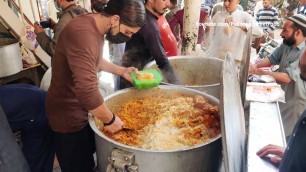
28,38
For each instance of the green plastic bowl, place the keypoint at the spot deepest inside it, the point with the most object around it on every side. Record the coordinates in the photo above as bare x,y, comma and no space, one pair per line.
142,84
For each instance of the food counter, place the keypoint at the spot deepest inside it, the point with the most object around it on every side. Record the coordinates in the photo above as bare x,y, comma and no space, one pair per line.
261,124
265,127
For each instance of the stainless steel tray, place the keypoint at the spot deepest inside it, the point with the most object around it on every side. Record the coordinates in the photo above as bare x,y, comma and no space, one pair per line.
265,127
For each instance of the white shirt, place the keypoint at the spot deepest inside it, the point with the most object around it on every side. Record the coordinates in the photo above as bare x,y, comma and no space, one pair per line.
219,7
221,42
258,6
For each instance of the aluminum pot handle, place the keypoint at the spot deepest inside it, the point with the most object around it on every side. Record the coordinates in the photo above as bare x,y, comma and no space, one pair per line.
121,161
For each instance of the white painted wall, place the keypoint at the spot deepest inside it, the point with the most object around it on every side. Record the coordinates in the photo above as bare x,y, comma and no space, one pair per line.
18,27
26,7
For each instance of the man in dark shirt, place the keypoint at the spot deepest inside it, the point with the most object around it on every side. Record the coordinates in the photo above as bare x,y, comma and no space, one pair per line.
178,20
293,157
174,7
146,44
295,154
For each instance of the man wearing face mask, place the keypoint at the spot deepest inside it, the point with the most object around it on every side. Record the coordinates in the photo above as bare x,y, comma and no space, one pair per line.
288,75
67,11
74,90
146,45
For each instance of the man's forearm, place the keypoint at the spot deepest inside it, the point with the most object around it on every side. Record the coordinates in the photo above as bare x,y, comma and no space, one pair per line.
46,43
263,63
109,67
102,112
278,76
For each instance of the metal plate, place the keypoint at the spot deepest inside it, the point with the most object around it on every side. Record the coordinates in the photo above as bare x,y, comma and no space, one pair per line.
265,127
232,118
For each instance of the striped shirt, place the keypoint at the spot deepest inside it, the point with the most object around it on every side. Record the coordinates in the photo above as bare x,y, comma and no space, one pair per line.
267,19
301,9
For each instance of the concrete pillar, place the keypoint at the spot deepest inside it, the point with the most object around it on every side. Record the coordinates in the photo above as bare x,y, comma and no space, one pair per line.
190,27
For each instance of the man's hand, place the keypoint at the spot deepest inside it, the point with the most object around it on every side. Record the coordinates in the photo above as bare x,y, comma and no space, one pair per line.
116,126
254,70
272,150
229,20
37,28
126,74
53,23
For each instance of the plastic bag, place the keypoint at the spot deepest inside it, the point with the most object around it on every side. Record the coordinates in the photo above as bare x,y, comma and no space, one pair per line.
29,38
265,92
28,56
46,80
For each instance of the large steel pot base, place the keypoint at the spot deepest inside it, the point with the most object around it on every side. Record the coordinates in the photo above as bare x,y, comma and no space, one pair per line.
205,157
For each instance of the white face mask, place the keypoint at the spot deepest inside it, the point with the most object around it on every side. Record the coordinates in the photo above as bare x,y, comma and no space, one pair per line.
57,6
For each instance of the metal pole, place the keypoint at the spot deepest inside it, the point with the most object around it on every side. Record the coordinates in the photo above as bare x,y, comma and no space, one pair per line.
33,11
39,5
244,70
190,27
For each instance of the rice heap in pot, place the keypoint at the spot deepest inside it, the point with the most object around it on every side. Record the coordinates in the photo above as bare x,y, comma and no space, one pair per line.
163,123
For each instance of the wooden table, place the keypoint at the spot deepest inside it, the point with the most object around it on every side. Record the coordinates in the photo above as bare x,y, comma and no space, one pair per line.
28,72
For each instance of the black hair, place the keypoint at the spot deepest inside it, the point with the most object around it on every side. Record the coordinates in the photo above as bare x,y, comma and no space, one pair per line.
174,2
132,12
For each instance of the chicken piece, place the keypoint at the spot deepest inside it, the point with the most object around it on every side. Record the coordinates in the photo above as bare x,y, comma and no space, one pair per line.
145,76
208,121
197,133
195,121
209,109
199,101
179,123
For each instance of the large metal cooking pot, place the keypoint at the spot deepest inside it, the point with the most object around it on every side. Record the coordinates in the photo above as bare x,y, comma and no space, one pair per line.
10,58
200,73
205,157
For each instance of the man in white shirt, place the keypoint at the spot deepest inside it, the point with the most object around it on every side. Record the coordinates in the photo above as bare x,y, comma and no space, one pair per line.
229,29
257,7
219,7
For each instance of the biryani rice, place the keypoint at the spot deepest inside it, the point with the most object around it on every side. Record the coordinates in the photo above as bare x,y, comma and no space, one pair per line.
163,123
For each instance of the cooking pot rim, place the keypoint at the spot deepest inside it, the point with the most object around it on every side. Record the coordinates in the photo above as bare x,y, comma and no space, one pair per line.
192,86
99,133
13,43
185,57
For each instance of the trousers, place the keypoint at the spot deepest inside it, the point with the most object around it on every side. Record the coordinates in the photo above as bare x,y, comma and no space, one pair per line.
24,109
75,150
